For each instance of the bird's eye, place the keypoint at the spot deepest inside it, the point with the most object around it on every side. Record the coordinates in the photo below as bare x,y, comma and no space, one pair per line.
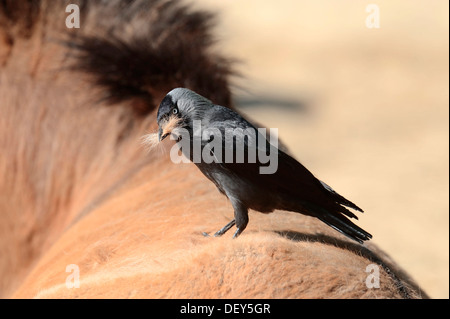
175,111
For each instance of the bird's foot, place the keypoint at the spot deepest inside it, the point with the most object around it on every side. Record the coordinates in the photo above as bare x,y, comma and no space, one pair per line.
237,233
223,230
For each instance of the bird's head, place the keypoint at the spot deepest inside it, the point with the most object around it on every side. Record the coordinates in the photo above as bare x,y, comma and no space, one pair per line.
179,108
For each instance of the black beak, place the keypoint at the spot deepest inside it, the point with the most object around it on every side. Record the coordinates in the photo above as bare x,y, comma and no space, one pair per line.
161,138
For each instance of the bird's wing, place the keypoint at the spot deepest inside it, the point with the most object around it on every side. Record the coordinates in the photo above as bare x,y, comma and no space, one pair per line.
293,184
290,177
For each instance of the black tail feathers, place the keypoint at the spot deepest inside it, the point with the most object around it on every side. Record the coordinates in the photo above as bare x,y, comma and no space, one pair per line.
343,225
340,199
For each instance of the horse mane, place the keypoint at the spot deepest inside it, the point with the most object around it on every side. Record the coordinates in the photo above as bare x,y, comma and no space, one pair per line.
75,102
134,51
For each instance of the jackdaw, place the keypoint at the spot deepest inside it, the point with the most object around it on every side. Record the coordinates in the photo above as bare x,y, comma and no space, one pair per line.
192,118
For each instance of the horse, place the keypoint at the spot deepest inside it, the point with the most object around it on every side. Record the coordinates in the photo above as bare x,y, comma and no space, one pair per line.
87,213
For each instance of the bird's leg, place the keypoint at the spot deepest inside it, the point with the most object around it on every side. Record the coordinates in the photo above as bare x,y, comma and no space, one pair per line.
240,220
225,228
241,217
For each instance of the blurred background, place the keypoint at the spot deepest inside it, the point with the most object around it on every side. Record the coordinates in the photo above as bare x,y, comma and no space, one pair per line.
365,109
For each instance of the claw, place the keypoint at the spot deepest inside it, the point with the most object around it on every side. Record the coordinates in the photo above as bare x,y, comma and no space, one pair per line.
225,228
222,231
237,233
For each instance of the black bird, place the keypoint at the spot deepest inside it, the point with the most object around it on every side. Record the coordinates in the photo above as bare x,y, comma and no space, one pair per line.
290,187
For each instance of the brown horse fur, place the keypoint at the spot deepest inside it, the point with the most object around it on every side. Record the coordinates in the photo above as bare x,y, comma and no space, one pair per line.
77,188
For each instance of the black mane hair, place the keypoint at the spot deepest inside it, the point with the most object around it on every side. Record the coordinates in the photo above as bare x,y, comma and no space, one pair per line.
133,50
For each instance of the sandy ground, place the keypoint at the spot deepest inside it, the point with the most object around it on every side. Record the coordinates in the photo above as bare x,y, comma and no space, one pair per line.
366,110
